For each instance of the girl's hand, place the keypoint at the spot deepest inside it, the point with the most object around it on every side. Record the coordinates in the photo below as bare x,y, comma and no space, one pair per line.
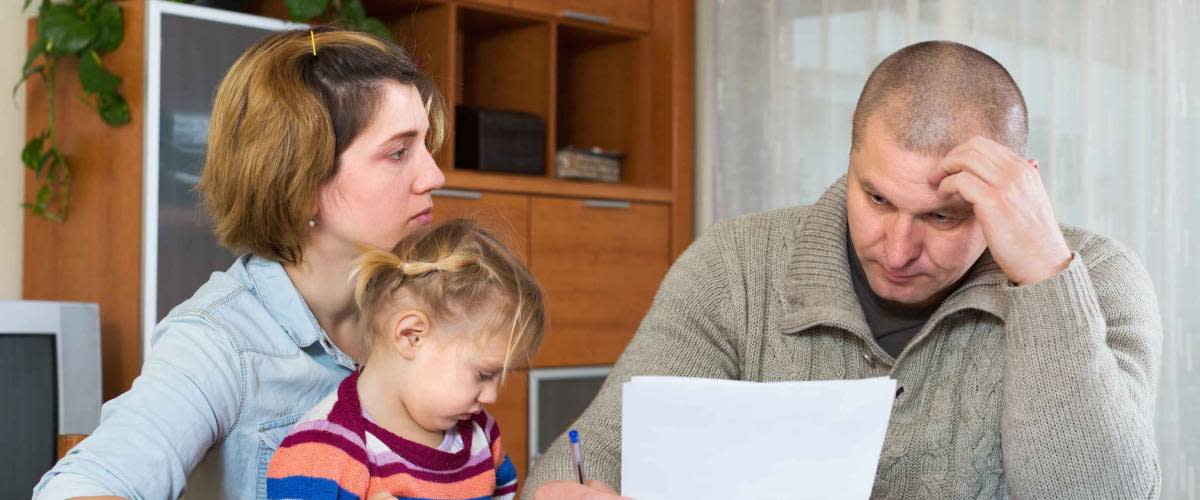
383,495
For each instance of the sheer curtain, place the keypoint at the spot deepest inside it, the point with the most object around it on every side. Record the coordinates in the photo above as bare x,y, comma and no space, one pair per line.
1113,89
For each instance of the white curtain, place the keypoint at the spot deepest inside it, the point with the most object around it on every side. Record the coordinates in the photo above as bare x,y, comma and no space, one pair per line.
1113,89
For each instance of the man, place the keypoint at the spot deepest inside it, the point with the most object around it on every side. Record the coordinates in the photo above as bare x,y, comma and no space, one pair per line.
1026,352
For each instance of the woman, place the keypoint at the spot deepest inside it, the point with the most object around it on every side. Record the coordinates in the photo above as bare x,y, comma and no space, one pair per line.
319,143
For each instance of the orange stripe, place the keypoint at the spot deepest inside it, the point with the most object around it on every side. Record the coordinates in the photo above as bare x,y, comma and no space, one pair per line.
319,460
405,485
497,453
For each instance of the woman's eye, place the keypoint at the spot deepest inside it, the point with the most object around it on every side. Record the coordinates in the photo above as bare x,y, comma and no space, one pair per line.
484,377
878,200
399,154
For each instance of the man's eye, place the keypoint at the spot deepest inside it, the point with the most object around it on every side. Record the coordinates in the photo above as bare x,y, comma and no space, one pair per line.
399,154
878,200
943,219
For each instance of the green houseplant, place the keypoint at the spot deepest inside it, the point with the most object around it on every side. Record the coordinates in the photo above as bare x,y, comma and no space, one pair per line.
350,14
82,29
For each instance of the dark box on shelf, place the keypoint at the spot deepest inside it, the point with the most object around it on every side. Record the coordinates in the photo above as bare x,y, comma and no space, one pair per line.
499,141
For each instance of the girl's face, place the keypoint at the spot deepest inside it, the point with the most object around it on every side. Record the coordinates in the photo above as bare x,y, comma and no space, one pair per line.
385,179
454,373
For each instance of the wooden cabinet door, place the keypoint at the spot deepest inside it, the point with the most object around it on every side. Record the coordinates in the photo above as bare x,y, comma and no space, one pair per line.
506,215
600,263
633,14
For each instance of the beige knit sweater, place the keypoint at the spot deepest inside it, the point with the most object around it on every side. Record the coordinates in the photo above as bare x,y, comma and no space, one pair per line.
1042,391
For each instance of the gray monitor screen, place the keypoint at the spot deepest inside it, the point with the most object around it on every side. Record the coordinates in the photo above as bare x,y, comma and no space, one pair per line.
29,414
561,401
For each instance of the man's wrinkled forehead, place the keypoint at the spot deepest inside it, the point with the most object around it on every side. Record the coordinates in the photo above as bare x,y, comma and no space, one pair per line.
886,169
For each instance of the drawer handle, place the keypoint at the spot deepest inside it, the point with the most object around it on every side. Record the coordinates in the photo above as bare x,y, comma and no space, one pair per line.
583,16
458,193
607,204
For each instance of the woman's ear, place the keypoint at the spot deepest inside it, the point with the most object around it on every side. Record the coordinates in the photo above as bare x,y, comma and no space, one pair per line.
410,332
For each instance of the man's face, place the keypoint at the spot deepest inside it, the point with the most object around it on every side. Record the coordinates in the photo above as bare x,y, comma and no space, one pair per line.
912,245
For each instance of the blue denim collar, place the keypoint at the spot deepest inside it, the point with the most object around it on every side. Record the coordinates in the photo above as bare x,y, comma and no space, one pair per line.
271,284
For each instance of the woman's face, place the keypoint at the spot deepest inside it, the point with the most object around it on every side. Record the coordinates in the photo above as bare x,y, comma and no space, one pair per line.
385,178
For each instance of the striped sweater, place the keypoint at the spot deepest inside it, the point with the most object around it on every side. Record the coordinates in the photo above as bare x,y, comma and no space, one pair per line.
337,452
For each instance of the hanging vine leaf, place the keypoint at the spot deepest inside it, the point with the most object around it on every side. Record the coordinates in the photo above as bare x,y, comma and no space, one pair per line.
110,28
83,28
376,27
64,30
28,69
93,76
32,155
113,108
304,10
352,13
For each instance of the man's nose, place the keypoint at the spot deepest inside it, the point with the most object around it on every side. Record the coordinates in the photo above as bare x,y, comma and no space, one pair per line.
903,244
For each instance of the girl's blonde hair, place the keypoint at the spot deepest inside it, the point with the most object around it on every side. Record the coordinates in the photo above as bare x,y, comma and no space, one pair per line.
453,268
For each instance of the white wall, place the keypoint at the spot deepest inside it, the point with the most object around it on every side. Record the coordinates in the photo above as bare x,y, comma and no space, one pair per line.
12,139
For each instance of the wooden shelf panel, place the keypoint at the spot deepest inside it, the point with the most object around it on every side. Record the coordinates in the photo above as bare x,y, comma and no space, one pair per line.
516,183
504,62
602,97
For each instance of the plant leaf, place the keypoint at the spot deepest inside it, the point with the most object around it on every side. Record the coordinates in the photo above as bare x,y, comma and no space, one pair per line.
303,10
352,13
113,108
93,76
376,27
35,50
110,28
43,195
87,10
31,154
64,31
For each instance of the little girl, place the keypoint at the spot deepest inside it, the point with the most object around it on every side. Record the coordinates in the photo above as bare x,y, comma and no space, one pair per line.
450,311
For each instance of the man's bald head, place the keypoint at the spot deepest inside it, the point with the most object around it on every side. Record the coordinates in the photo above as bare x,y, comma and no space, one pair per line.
932,96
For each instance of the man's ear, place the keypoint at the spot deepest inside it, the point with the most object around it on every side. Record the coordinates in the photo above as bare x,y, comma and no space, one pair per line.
409,333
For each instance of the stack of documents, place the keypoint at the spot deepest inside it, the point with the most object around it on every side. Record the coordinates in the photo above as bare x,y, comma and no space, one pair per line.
702,438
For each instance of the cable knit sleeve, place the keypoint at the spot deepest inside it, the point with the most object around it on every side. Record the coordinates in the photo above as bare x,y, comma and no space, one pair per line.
1081,364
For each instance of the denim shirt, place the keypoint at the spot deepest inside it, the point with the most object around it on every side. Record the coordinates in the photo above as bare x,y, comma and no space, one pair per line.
232,368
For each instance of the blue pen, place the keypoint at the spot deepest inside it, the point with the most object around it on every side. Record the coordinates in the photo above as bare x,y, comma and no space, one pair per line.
576,456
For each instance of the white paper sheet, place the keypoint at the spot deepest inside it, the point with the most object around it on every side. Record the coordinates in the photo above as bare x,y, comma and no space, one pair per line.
688,438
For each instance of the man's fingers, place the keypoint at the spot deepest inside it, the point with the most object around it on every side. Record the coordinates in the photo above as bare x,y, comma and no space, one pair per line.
599,485
968,158
571,490
991,161
964,185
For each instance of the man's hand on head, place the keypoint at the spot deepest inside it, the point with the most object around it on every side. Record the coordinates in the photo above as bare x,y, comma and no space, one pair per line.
1007,195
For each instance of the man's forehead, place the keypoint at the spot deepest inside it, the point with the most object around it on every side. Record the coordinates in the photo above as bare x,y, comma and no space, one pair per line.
916,197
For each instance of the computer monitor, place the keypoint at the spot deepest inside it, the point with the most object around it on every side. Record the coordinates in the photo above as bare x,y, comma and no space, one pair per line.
49,385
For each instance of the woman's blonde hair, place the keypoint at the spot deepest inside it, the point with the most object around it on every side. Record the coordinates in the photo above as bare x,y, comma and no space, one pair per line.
282,117
453,268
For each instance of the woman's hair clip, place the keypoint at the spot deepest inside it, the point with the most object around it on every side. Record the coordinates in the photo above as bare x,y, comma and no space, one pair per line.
313,38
